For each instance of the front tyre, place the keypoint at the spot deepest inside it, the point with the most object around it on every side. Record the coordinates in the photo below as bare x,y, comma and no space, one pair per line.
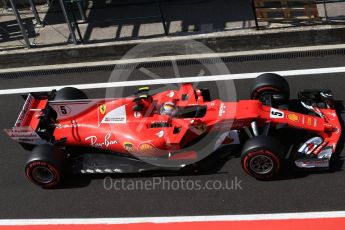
269,83
261,157
45,166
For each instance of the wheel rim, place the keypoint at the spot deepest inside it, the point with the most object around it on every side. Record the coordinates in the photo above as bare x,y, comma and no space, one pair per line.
42,174
261,164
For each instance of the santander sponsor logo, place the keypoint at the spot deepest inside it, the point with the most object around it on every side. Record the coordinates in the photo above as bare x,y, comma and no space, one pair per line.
105,143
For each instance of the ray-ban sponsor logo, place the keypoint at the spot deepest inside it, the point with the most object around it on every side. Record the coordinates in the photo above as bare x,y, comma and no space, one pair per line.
106,142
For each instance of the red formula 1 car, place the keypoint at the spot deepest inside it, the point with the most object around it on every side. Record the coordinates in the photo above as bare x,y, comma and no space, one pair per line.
173,129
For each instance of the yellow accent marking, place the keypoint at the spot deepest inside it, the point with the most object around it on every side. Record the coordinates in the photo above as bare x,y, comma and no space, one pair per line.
309,121
102,109
144,88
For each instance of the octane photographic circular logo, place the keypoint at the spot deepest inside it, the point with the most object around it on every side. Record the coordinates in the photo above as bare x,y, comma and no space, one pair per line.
166,67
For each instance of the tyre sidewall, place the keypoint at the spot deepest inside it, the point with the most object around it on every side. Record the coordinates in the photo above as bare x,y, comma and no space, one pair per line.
50,157
39,163
262,145
250,154
269,82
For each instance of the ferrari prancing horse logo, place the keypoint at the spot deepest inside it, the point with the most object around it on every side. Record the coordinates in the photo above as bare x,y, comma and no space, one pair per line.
103,109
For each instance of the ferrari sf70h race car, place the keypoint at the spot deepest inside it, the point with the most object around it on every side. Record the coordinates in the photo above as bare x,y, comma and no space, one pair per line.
67,132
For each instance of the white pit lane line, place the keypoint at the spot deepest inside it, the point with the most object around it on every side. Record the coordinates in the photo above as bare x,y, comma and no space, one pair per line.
177,219
174,80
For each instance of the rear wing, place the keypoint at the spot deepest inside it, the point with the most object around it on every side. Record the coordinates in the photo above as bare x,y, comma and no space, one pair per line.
24,113
25,134
27,127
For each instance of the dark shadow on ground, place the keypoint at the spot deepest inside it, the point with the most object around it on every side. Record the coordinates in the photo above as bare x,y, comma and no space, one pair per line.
193,16
10,31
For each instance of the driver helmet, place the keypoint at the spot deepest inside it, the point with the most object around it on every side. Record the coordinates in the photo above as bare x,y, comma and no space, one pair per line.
168,108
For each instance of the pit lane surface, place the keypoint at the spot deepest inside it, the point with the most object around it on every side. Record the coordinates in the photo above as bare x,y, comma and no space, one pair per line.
86,196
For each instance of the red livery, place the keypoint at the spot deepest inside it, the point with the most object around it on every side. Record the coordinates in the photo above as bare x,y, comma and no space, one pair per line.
173,129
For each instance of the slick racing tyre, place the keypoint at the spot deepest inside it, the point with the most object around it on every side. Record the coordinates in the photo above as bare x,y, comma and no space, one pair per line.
45,166
270,83
261,157
69,93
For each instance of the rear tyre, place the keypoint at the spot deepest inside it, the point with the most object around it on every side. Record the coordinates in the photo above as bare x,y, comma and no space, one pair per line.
69,93
261,157
45,166
270,83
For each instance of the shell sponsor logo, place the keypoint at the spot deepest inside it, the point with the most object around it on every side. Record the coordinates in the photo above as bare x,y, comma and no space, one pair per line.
146,147
293,117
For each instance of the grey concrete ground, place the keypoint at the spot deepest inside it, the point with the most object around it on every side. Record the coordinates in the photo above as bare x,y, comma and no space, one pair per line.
127,21
123,21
